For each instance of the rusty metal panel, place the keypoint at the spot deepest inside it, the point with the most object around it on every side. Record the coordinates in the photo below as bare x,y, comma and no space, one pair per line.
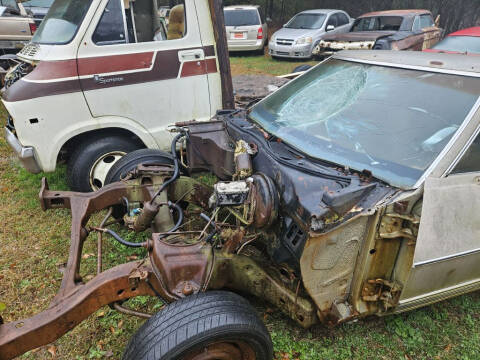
329,260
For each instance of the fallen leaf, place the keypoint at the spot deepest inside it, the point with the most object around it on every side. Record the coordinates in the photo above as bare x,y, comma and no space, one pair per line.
108,354
89,277
120,324
53,351
2,306
12,265
132,257
101,314
112,329
86,256
448,347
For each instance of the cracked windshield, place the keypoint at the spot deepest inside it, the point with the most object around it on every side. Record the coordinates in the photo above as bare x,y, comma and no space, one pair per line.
392,122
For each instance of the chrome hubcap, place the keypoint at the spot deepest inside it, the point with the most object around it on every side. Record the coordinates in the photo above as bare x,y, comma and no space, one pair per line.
102,166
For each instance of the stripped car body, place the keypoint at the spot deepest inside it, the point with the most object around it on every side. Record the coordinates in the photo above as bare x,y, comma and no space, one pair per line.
401,30
326,227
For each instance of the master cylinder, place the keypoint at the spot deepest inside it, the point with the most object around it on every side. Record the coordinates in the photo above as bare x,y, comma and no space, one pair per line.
254,201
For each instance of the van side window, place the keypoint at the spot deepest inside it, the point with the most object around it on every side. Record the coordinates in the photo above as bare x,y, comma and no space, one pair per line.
110,28
140,21
470,161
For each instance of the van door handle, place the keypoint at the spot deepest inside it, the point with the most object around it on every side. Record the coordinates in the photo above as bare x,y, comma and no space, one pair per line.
191,55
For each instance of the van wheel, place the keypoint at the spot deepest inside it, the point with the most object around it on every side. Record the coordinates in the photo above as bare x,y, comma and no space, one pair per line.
216,325
90,163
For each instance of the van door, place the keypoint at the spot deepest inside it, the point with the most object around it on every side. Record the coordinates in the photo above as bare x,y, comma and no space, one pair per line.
447,252
132,68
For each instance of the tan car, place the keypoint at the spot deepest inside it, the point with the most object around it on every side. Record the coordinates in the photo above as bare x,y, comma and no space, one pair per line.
16,27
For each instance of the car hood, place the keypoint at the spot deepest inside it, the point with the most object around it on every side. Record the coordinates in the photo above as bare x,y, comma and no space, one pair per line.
359,36
286,33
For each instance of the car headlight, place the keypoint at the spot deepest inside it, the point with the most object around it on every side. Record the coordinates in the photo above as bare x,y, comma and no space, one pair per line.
304,40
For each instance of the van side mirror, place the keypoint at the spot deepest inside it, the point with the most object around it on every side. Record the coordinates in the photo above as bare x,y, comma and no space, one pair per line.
330,27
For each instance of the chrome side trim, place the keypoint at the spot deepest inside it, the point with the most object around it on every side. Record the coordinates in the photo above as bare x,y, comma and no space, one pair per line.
443,258
436,296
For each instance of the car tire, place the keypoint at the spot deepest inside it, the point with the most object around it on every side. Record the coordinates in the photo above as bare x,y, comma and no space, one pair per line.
130,161
90,163
216,323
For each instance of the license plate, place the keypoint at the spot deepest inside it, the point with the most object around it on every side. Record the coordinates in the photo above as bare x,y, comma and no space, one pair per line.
239,35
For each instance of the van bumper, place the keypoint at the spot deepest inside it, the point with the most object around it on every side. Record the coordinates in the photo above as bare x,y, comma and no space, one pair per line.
26,154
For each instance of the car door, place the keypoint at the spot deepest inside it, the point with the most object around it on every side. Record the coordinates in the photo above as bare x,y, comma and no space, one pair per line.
131,70
343,22
447,251
332,21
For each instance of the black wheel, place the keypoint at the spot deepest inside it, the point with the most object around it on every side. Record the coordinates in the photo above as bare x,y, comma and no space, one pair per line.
216,325
90,163
130,161
302,68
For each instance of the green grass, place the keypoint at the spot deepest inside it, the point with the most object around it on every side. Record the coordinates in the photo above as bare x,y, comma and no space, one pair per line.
34,246
245,63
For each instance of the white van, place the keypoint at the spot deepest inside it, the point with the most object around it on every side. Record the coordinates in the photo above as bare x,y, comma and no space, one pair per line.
102,78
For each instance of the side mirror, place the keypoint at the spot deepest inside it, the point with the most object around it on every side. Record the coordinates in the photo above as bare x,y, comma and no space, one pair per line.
330,27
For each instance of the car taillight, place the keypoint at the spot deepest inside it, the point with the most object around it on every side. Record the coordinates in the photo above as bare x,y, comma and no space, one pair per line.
260,33
33,28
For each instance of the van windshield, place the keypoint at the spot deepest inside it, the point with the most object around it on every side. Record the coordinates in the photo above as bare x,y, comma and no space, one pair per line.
62,22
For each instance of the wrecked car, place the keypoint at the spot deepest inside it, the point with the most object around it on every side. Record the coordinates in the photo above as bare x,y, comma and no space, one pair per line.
385,30
353,190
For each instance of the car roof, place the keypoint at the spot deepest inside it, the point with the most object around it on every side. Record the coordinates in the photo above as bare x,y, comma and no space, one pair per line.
473,31
323,11
411,59
405,13
241,7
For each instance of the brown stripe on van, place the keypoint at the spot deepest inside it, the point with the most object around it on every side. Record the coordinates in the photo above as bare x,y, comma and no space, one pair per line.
57,69
23,90
166,66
